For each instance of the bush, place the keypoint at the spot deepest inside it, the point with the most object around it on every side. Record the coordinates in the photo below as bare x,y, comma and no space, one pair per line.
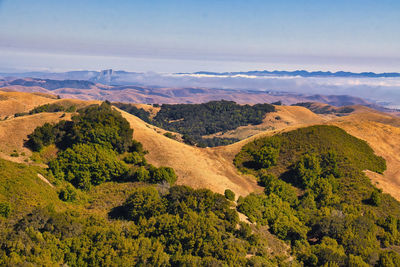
67,194
5,209
144,202
170,135
41,136
266,156
308,170
161,174
141,174
135,158
52,108
280,188
229,195
375,198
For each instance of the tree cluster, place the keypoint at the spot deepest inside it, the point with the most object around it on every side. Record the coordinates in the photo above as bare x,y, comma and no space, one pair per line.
91,147
196,120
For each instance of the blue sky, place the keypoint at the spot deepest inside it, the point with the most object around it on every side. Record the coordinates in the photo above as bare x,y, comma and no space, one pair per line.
219,35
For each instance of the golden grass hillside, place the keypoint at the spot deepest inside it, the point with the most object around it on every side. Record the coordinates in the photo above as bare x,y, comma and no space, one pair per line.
16,102
14,131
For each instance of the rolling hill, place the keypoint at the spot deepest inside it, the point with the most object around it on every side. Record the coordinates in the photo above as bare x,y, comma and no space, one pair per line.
212,167
92,90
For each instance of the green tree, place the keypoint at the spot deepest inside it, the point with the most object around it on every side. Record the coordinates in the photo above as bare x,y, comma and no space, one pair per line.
375,198
67,194
229,194
141,174
144,202
308,170
266,156
161,174
85,165
5,209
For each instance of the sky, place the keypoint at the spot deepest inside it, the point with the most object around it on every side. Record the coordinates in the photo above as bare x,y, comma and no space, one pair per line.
187,36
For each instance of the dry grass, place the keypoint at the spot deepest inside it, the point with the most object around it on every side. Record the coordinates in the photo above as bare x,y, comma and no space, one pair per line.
17,102
14,131
196,167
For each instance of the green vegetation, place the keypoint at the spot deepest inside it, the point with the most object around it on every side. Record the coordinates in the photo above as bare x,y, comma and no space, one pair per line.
14,154
22,190
91,147
48,108
170,135
94,124
173,227
163,226
68,194
317,197
107,206
84,165
229,195
5,209
194,121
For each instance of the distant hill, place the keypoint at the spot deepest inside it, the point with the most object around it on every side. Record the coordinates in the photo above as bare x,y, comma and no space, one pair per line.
89,90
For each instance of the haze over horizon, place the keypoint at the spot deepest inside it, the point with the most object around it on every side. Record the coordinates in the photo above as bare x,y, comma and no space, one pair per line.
189,36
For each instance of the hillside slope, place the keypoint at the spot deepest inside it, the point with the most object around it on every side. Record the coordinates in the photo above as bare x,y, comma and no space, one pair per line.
196,167
384,138
16,102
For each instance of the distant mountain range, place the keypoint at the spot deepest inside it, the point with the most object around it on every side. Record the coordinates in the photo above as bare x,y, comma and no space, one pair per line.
304,73
120,77
88,90
243,87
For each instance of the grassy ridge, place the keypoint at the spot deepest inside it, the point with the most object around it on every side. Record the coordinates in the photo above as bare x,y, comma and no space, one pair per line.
315,139
318,198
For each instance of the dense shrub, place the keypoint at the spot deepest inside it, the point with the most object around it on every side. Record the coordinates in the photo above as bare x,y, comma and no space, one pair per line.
94,124
267,155
42,136
229,195
144,202
84,165
5,209
162,174
52,108
67,194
